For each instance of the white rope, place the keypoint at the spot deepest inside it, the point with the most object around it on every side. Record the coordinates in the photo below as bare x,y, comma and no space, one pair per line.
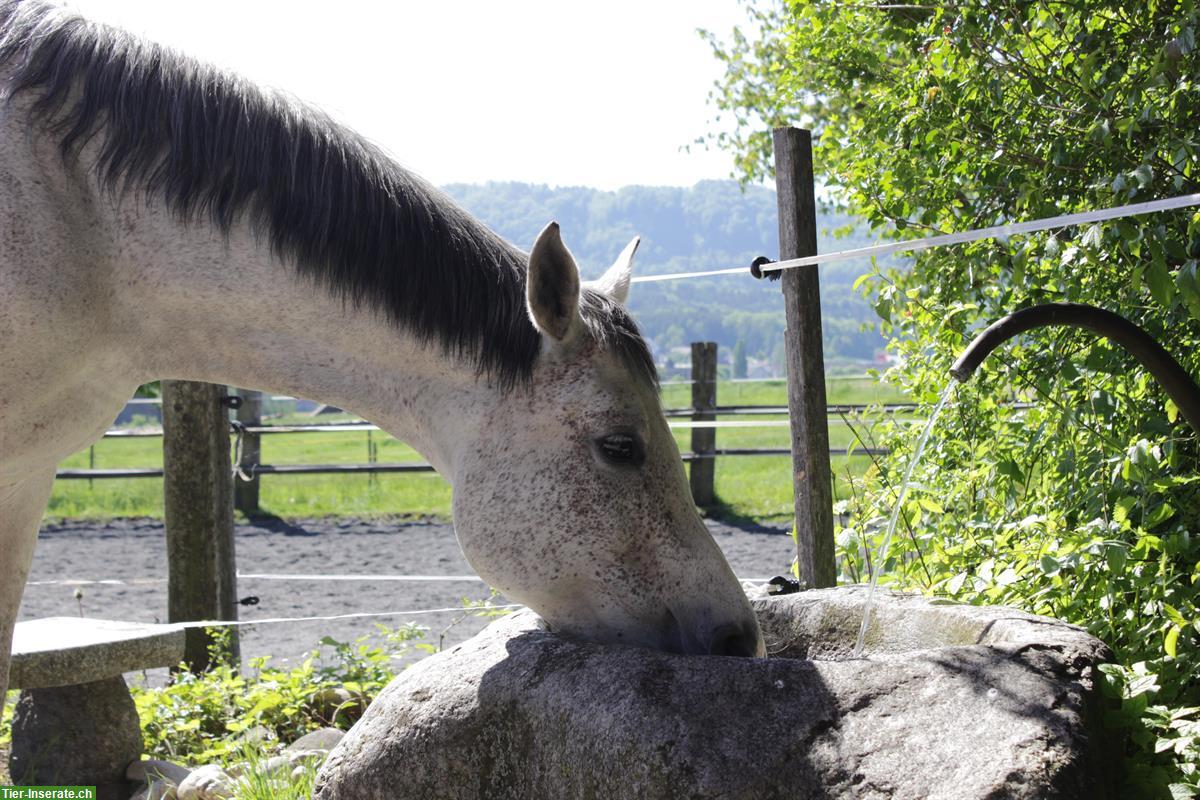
702,274
317,428
765,423
267,576
103,582
941,240
240,623
724,424
273,576
781,379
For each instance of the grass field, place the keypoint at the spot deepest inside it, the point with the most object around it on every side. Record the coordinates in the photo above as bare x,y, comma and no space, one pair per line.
757,487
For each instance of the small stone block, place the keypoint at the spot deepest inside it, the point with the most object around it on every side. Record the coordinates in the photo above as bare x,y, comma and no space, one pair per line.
323,739
82,735
63,651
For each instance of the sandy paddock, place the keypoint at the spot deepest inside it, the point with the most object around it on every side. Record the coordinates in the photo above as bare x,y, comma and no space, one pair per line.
133,551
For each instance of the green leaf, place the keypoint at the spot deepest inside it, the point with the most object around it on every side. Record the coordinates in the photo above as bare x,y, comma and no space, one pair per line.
1010,469
1158,278
1171,641
932,506
1158,515
1007,577
1174,615
1122,509
1116,557
1188,284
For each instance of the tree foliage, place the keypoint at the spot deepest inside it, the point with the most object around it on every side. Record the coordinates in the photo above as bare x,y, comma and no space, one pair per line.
949,116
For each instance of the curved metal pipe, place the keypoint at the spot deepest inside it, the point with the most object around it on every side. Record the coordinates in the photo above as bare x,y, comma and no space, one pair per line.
1162,365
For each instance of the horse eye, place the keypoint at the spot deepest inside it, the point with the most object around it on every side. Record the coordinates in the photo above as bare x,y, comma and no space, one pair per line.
622,448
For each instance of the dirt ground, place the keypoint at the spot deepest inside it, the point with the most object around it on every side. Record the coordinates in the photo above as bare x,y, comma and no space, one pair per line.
132,553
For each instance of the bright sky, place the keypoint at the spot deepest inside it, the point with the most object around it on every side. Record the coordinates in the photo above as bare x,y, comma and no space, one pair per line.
562,92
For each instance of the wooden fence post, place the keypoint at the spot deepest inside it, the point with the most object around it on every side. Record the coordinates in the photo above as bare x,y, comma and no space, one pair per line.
811,474
198,506
245,493
704,440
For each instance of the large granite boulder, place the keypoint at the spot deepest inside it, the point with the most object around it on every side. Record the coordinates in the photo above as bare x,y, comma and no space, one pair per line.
951,701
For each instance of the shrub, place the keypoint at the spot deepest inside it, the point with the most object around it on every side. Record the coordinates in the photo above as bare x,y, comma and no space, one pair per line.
200,717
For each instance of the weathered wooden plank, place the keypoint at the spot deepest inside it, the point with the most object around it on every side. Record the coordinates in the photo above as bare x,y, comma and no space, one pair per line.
198,509
702,471
805,359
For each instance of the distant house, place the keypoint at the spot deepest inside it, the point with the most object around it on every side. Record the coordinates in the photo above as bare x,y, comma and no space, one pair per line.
670,369
140,411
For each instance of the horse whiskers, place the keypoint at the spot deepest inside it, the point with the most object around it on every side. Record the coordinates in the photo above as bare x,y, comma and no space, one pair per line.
775,645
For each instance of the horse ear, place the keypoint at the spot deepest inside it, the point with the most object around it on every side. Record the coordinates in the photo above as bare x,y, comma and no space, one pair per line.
615,281
552,285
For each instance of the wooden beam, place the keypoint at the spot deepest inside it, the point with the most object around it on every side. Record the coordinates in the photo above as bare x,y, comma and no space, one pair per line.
702,471
198,508
811,478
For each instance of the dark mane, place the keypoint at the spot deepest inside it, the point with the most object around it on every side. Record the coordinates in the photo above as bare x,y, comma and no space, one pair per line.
211,146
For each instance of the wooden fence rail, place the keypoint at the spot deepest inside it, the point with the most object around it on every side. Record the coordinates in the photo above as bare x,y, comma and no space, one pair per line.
421,466
701,458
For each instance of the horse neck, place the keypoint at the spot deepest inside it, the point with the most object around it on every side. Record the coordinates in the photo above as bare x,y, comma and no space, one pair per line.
203,306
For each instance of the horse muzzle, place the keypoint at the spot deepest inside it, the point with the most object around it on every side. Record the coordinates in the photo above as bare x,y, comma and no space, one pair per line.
741,639
745,641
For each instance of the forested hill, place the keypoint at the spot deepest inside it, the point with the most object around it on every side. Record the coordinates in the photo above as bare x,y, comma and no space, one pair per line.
710,225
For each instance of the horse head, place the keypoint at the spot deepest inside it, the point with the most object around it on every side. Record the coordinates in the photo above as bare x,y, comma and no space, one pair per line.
575,500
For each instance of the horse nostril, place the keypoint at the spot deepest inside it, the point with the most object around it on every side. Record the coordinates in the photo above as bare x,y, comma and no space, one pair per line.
733,640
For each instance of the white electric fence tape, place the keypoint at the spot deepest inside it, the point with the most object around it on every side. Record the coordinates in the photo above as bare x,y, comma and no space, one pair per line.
914,245
765,423
241,623
266,576
271,576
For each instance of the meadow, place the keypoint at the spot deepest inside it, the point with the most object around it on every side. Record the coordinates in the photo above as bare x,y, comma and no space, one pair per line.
756,487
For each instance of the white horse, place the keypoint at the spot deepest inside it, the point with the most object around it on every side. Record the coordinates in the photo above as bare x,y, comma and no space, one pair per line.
162,219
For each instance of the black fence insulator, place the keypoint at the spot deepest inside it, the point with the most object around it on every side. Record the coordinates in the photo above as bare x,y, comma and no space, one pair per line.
782,584
756,269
